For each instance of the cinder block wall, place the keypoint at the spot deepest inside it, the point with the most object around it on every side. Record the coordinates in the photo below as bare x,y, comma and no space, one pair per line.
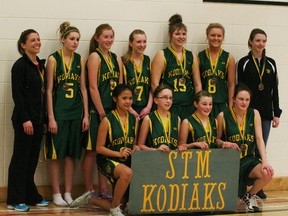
151,16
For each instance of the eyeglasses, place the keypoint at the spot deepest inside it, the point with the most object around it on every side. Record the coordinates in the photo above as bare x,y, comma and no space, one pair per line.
166,98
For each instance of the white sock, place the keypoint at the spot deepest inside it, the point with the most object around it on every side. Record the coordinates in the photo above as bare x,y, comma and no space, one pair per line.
68,198
58,200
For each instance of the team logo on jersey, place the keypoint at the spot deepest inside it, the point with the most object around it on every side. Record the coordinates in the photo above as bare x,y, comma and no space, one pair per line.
251,124
223,63
268,71
78,66
174,128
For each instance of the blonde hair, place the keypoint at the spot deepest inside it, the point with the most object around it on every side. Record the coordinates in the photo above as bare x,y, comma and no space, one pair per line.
214,25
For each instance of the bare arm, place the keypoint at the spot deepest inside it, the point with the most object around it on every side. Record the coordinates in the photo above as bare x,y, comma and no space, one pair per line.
145,127
157,69
196,75
52,125
85,121
231,74
93,70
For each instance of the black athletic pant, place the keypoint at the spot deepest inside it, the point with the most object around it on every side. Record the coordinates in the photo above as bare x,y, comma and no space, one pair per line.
21,185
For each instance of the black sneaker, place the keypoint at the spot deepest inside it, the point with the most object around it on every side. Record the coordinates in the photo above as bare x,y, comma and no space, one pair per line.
251,202
261,194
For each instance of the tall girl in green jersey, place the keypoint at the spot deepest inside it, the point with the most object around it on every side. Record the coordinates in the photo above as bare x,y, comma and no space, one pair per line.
136,72
104,74
199,130
242,128
159,129
67,104
116,141
178,68
217,69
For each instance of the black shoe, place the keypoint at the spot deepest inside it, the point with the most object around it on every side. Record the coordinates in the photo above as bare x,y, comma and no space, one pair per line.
261,194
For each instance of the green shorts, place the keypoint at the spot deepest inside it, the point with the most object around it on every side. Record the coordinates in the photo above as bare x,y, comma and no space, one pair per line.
183,111
89,139
247,164
67,141
217,108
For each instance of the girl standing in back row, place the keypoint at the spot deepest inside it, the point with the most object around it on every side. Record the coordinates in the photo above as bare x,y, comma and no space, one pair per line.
178,68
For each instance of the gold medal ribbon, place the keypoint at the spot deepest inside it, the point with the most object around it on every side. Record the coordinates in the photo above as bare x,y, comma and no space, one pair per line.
258,67
138,69
123,127
65,66
213,65
242,126
108,61
180,62
208,133
166,133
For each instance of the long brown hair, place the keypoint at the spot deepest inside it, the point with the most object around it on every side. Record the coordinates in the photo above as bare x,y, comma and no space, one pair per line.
176,23
99,30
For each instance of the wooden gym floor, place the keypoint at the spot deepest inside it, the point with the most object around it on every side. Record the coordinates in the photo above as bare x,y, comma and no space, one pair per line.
275,205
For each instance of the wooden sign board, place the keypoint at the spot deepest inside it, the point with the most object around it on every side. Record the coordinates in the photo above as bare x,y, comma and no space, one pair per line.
191,181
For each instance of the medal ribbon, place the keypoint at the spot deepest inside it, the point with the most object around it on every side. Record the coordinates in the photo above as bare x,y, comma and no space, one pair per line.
208,134
65,66
183,68
241,127
258,68
167,135
123,127
215,62
137,69
108,62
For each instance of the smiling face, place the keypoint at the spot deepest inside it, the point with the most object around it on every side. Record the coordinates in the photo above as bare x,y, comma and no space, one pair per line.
71,42
105,39
164,99
242,100
124,100
139,43
215,37
179,37
32,44
258,43
204,106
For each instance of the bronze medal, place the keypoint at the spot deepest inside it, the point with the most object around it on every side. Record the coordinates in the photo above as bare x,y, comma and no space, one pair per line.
182,80
243,147
213,81
112,82
65,86
261,87
136,91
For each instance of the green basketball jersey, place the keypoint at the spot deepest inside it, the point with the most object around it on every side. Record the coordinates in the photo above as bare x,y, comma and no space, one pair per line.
108,79
245,140
198,132
157,135
116,139
139,81
214,80
67,97
181,82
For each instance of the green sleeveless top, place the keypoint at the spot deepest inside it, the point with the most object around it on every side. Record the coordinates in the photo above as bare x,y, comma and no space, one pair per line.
181,82
67,97
116,138
139,81
245,140
214,81
157,136
108,79
198,132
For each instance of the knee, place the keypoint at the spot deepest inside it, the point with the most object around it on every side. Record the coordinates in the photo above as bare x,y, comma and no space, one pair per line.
126,174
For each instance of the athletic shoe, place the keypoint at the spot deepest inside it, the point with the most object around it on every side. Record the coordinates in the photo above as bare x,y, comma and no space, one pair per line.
19,207
105,195
261,194
251,202
82,200
116,211
43,203
94,194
